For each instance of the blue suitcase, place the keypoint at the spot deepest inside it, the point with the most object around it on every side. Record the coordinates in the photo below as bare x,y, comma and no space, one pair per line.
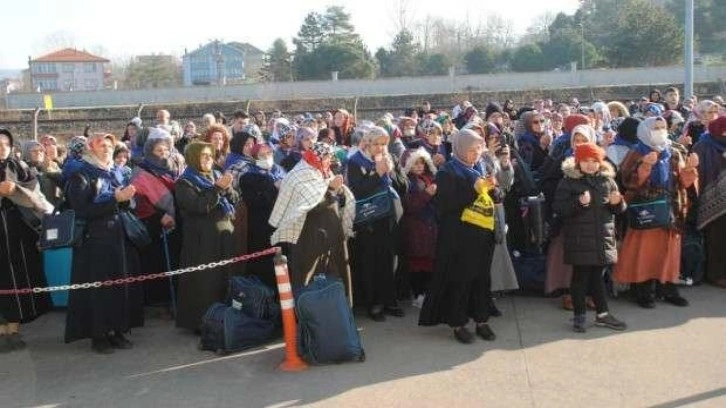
57,264
327,332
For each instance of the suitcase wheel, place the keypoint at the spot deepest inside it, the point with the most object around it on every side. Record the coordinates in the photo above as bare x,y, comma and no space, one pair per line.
362,357
220,352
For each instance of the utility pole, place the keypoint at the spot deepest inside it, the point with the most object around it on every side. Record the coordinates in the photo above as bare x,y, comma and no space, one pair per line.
688,83
582,46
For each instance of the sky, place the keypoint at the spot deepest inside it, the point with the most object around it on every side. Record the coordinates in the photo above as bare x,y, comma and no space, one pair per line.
126,28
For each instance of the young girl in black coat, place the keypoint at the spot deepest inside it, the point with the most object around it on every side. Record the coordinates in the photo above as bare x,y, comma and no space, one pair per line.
587,198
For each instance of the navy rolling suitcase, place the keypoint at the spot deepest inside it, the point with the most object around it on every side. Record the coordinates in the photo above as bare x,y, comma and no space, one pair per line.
326,330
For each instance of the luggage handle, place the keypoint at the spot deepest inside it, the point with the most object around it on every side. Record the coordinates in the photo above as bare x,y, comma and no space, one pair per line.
325,257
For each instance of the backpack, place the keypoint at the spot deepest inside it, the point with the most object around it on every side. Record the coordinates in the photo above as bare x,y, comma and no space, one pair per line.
255,299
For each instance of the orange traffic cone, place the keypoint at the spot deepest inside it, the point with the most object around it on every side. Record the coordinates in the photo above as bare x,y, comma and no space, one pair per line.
292,362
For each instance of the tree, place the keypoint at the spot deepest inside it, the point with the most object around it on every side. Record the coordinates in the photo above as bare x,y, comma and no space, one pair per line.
311,33
528,58
278,67
479,60
328,42
645,35
433,64
709,30
401,60
152,71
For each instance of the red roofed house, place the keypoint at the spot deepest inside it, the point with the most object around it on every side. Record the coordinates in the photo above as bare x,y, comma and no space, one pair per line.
68,70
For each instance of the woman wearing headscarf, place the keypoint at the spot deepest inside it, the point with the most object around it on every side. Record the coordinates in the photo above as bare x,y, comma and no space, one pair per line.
304,140
260,183
97,194
657,173
704,113
534,144
371,171
313,217
46,171
154,179
218,136
76,148
712,210
286,146
19,255
205,199
460,289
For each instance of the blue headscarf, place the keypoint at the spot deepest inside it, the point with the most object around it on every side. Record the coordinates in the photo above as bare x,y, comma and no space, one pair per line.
198,180
660,174
106,181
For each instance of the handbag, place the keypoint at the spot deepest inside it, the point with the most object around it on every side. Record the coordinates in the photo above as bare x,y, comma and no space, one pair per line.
135,230
61,230
481,212
655,213
373,208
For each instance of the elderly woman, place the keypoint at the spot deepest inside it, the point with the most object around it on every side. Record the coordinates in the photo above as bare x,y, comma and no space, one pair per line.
47,171
461,285
371,171
259,184
712,210
19,256
218,136
313,217
534,144
154,179
704,113
205,199
305,137
97,195
655,176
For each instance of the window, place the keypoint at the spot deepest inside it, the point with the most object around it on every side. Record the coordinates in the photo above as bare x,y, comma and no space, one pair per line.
68,67
43,68
91,84
89,67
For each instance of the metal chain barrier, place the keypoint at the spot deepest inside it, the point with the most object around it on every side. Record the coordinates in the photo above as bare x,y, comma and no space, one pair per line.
142,278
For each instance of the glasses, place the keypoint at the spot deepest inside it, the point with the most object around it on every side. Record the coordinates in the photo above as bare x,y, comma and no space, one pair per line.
540,121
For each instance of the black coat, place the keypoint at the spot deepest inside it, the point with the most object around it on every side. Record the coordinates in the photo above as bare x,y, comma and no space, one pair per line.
589,231
207,236
259,194
105,253
463,251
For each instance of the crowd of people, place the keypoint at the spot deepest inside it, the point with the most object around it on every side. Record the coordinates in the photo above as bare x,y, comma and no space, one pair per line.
425,207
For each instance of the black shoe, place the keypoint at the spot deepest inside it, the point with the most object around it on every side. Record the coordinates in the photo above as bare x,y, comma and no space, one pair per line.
610,322
377,314
463,335
578,324
485,332
676,300
102,346
394,311
118,341
646,303
494,310
16,341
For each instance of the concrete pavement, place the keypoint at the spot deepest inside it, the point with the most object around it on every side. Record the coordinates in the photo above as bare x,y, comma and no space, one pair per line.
669,357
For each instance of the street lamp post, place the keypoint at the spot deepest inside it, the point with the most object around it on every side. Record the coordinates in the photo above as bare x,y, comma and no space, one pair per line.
688,82
582,46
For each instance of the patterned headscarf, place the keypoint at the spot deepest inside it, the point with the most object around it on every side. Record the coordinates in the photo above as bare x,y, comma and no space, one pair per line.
77,146
314,156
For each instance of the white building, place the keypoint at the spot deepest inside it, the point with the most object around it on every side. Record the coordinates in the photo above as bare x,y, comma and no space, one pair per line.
68,70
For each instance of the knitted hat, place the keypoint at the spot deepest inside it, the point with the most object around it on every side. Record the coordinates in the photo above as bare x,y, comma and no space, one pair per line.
574,120
717,128
587,151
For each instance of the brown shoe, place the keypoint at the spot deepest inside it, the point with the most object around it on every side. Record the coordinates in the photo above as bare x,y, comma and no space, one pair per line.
721,283
567,302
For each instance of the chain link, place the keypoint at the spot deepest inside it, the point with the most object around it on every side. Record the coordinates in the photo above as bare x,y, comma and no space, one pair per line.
134,279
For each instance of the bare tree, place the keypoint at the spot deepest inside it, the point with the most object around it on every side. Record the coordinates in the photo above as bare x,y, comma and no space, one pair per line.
402,15
55,41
